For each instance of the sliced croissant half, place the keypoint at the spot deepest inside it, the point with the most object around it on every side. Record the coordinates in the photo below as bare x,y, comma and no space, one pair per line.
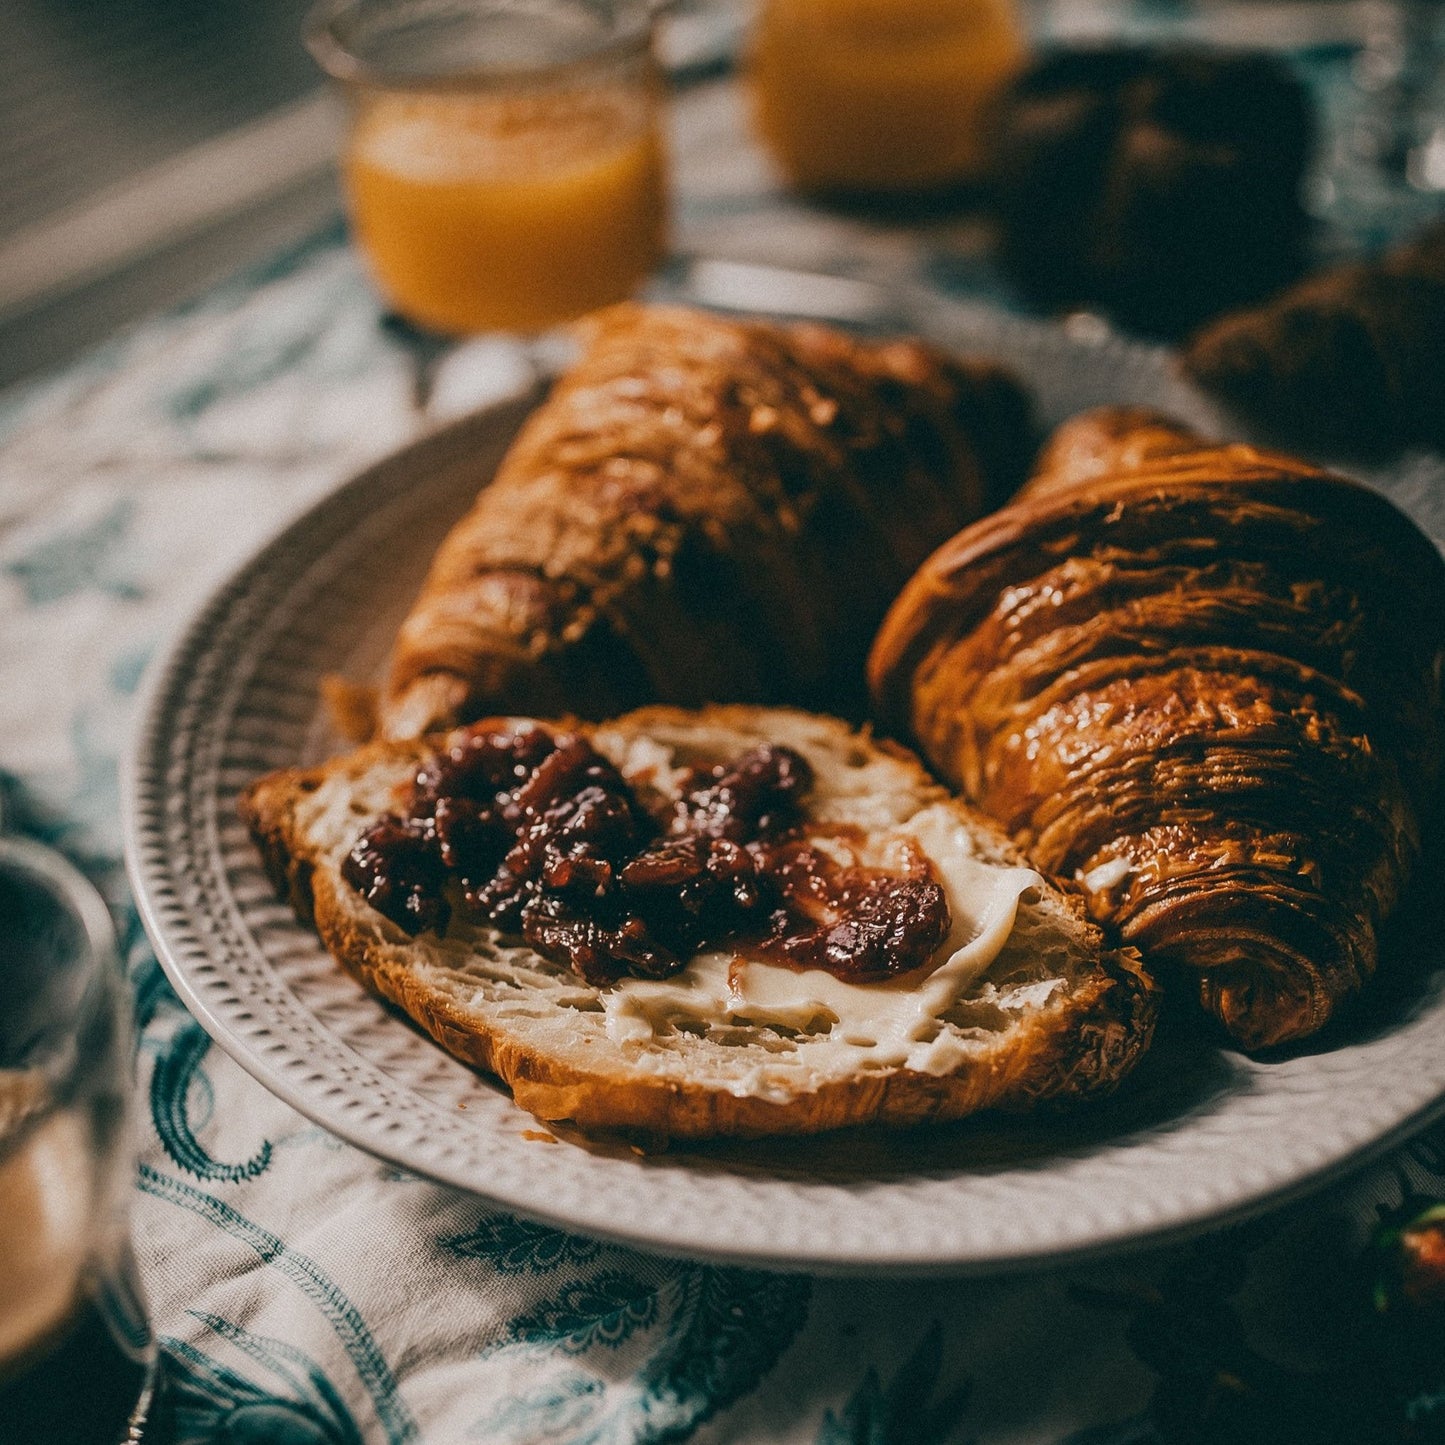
1202,680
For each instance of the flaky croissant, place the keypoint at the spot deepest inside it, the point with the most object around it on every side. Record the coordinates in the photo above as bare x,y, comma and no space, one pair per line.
703,509
1203,681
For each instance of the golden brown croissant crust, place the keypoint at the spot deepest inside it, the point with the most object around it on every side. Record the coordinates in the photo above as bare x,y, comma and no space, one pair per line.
1204,681
703,509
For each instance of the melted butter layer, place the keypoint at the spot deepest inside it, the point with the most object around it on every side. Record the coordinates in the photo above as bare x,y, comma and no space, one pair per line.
897,1023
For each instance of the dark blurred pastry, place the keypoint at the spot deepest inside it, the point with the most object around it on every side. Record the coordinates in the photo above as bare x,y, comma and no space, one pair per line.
1159,185
1351,360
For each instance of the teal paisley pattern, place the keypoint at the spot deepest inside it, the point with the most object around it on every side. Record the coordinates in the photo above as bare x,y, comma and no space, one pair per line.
604,1309
554,1411
63,822
909,1410
518,1246
280,347
175,1075
708,1335
128,668
78,558
314,1283
726,1331
206,1402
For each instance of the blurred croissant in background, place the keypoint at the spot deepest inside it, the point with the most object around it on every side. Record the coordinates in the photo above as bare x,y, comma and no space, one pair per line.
1204,681
1351,360
704,509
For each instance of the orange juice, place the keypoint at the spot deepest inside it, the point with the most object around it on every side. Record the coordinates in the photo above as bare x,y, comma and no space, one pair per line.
508,210
881,95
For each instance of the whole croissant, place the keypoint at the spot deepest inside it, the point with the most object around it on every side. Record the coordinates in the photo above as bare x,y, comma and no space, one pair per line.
703,509
1203,681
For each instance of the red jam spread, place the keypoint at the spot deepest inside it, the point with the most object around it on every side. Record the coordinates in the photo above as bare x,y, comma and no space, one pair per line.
538,834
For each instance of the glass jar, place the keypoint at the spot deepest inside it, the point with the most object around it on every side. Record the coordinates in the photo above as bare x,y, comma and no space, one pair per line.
881,96
77,1358
504,165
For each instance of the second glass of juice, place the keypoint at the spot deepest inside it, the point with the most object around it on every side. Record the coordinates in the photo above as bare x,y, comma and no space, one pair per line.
881,96
504,166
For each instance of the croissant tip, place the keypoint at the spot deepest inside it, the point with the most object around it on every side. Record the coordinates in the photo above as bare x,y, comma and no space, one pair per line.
1261,1008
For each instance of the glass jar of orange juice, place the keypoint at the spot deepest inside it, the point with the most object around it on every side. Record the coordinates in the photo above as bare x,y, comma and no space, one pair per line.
881,95
504,166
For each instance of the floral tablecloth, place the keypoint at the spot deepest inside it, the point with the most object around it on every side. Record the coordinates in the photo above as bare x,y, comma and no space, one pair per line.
303,1291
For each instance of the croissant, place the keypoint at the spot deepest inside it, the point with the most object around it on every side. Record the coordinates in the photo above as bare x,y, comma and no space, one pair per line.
703,509
1349,360
1204,681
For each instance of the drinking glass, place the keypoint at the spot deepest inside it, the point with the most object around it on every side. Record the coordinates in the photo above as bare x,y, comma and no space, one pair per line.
77,1357
881,97
504,165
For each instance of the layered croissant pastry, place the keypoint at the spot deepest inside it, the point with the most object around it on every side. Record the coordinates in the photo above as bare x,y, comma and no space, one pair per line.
1203,681
702,509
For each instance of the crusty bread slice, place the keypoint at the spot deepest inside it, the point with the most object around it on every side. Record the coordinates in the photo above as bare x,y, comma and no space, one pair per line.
1054,1016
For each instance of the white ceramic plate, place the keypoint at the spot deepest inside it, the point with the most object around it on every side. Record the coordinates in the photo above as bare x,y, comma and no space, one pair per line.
1200,1135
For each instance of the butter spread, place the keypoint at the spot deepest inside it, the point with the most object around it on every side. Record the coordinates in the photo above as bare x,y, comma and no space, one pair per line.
1105,876
896,1023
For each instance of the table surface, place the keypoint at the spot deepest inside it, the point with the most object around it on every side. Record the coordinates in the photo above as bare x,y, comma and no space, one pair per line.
305,1292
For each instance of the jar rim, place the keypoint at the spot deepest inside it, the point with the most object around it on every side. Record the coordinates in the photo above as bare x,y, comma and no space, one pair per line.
337,36
92,956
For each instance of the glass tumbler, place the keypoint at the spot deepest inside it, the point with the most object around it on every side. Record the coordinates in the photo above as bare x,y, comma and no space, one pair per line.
881,97
77,1358
504,166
